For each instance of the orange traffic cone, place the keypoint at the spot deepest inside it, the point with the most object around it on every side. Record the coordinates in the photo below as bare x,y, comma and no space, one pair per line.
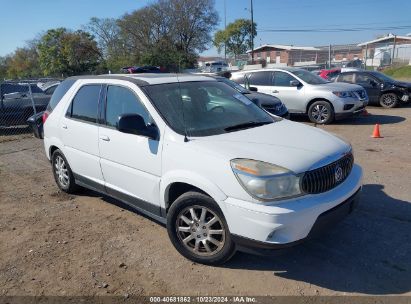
376,132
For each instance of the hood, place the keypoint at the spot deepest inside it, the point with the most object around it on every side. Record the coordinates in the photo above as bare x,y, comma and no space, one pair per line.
294,146
263,99
339,86
403,84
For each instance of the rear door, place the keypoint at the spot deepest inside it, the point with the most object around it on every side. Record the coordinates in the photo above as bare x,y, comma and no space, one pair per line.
291,96
131,164
262,80
79,133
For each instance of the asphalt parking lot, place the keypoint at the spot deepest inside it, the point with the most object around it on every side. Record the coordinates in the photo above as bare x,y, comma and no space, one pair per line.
52,243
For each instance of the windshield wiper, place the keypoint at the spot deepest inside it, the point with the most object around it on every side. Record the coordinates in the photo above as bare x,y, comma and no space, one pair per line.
246,125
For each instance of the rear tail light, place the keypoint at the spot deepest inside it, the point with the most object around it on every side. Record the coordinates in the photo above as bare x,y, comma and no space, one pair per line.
45,116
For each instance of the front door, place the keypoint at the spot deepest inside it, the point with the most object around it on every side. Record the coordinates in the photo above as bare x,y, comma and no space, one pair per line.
291,96
371,85
131,164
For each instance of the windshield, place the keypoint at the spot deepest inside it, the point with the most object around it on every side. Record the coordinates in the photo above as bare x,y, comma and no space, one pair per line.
382,77
235,85
205,108
308,77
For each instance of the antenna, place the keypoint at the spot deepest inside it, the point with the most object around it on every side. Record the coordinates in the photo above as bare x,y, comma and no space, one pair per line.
182,110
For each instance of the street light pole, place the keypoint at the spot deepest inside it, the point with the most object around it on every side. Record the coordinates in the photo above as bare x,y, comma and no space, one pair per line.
252,33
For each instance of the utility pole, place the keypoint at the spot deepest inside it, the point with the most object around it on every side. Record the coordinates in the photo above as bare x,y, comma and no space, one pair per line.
393,49
225,28
252,33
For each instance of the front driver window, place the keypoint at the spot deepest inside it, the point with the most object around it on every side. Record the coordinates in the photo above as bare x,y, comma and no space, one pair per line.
282,79
121,101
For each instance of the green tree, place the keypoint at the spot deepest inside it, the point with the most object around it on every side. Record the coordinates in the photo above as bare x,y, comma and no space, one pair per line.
111,43
4,65
64,52
23,63
236,37
170,32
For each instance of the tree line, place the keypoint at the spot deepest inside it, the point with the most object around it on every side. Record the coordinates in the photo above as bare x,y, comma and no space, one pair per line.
168,33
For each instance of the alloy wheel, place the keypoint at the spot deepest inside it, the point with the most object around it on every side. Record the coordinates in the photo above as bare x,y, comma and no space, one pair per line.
200,230
320,113
61,171
388,100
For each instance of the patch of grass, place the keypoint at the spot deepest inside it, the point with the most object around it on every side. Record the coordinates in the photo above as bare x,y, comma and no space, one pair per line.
403,72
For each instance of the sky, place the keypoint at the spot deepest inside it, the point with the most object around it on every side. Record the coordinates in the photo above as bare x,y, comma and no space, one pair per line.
22,20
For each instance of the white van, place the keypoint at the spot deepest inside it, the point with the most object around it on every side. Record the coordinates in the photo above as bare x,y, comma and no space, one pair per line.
196,155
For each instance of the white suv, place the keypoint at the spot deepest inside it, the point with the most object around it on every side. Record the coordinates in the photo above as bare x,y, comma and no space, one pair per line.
195,154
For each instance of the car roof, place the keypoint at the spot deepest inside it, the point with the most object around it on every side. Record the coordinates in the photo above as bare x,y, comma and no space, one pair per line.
149,78
288,69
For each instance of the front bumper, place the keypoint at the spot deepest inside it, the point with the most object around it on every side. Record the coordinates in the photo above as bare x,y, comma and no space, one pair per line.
282,224
324,222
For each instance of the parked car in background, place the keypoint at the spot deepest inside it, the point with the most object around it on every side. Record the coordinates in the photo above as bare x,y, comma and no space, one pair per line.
16,104
329,74
35,122
270,103
221,181
381,89
305,93
141,69
214,66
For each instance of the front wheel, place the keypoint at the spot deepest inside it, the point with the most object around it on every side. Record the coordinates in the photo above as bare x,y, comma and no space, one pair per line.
198,230
388,100
321,112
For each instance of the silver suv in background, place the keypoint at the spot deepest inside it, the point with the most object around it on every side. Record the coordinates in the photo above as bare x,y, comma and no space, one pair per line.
305,93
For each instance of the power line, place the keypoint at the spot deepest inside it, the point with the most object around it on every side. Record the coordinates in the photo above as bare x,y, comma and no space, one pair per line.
335,30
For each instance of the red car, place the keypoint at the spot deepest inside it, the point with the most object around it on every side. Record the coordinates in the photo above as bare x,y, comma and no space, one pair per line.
329,74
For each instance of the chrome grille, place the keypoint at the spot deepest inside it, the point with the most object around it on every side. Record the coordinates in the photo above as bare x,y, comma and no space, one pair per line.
327,177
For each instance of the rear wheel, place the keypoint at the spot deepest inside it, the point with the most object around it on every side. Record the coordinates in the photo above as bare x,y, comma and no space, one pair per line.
62,173
388,100
198,230
321,112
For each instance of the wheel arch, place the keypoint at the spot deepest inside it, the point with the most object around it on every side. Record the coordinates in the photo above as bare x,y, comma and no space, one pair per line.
172,186
318,99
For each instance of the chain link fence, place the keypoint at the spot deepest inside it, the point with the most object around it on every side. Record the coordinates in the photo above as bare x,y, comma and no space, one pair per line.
372,55
21,99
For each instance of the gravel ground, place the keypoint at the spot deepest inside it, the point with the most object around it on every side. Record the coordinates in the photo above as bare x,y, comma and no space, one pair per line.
52,243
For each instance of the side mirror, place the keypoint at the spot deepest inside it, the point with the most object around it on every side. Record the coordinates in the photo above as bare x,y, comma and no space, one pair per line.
134,124
253,89
294,83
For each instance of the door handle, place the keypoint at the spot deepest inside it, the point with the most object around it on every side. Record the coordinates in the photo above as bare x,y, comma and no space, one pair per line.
64,126
275,91
104,137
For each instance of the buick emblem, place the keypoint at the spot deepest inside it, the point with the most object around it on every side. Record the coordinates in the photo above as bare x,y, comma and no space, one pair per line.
338,174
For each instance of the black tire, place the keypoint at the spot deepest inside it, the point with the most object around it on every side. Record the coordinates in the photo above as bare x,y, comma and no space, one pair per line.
198,202
70,186
389,100
321,112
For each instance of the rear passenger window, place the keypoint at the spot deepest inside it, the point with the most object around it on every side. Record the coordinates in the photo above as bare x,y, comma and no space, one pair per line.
85,104
58,94
261,79
121,101
238,78
348,77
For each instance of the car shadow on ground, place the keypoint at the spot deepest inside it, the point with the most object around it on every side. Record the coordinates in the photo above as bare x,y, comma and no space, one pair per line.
369,252
370,119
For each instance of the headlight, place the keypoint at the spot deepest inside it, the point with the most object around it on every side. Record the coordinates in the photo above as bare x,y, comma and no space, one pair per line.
344,94
266,181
